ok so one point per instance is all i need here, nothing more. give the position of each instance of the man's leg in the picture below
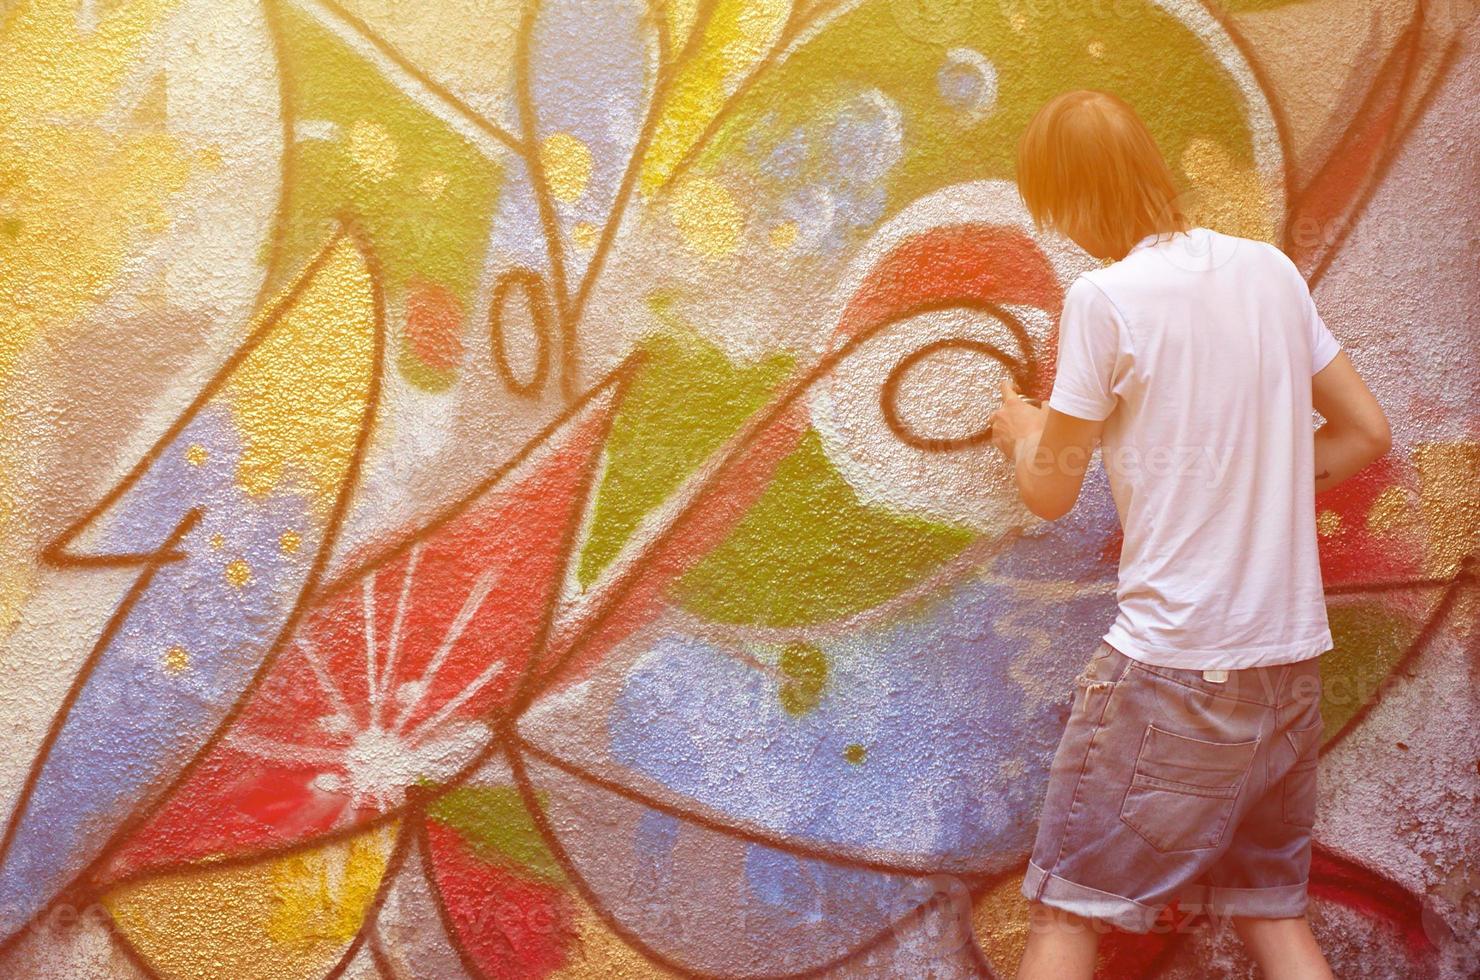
(1061, 945)
(1283, 948)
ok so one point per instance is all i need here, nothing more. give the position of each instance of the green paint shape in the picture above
(805, 668)
(1135, 49)
(686, 400)
(804, 661)
(1255, 6)
(1369, 641)
(799, 697)
(423, 195)
(810, 551)
(498, 828)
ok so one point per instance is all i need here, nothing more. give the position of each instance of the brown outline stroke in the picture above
(669, 66)
(1407, 48)
(1024, 374)
(60, 555)
(527, 792)
(753, 835)
(537, 299)
(1467, 574)
(404, 63)
(540, 187)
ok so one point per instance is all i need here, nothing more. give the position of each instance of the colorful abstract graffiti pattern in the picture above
(496, 488)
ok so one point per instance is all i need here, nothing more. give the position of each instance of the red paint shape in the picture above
(956, 265)
(510, 926)
(1356, 551)
(434, 323)
(1380, 899)
(294, 765)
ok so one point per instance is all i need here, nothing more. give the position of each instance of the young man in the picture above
(1187, 767)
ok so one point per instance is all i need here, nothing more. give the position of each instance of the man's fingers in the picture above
(1009, 390)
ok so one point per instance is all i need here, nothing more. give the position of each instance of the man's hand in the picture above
(1016, 421)
(1049, 451)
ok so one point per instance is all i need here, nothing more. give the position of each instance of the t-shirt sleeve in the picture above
(1089, 354)
(1323, 346)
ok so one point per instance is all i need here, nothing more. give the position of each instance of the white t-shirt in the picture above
(1198, 350)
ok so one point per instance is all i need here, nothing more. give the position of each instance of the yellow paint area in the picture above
(567, 164)
(75, 195)
(283, 918)
(299, 396)
(784, 235)
(1328, 523)
(584, 234)
(738, 35)
(707, 216)
(372, 150)
(433, 184)
(238, 573)
(604, 955)
(1448, 473)
(1000, 922)
(1234, 199)
(469, 47)
(1390, 511)
(679, 15)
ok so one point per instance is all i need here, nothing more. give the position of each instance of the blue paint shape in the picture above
(142, 715)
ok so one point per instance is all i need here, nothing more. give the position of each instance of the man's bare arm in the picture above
(1356, 431)
(1051, 466)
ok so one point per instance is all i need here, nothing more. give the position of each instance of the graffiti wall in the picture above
(495, 488)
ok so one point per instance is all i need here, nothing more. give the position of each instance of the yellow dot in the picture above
(567, 163)
(1018, 22)
(176, 660)
(239, 573)
(196, 454)
(373, 150)
(433, 184)
(290, 542)
(584, 234)
(217, 542)
(784, 236)
(1328, 522)
(1096, 49)
(707, 216)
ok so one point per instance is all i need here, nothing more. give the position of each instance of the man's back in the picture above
(1198, 351)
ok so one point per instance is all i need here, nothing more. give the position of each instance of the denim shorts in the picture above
(1172, 784)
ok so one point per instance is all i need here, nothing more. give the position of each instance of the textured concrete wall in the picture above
(492, 488)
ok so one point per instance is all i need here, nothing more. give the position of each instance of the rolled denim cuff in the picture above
(1275, 902)
(1061, 893)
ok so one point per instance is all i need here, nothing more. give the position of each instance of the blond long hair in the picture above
(1087, 166)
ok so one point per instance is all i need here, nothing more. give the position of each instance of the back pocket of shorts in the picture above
(1183, 789)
